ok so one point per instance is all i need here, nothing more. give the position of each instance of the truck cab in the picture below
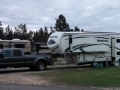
(14, 57)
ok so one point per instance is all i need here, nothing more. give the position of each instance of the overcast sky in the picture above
(90, 15)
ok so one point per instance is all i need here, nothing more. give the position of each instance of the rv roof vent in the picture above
(16, 39)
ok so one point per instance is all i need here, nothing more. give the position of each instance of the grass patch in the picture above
(104, 77)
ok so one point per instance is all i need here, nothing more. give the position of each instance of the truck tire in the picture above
(41, 66)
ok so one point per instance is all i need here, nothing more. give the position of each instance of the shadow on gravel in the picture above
(61, 67)
(6, 71)
(49, 68)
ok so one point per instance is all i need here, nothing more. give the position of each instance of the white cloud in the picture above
(93, 15)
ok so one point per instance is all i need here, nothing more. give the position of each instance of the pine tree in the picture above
(41, 35)
(46, 34)
(35, 37)
(23, 31)
(77, 29)
(17, 33)
(61, 24)
(1, 31)
(8, 33)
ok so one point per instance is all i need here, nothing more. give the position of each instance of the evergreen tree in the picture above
(36, 37)
(82, 30)
(17, 33)
(1, 31)
(46, 30)
(8, 33)
(61, 24)
(51, 30)
(41, 35)
(46, 34)
(77, 29)
(21, 32)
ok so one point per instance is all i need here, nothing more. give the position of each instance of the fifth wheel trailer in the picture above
(86, 47)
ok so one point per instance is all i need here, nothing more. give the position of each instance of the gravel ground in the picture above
(22, 76)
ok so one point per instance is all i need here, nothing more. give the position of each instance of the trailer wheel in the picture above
(41, 66)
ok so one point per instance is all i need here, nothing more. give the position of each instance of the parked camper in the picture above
(16, 43)
(86, 47)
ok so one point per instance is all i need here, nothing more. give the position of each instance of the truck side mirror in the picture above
(1, 55)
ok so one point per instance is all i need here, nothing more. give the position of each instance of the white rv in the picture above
(86, 47)
(16, 43)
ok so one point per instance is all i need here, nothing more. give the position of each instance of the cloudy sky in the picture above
(90, 15)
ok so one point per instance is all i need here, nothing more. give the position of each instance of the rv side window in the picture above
(17, 52)
(118, 40)
(19, 45)
(118, 53)
(1, 46)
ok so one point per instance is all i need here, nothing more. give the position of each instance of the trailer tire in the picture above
(41, 66)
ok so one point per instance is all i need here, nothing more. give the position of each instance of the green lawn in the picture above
(98, 77)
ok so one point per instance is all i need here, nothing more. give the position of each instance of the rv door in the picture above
(117, 49)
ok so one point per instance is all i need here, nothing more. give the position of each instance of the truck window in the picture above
(17, 53)
(7, 53)
(19, 45)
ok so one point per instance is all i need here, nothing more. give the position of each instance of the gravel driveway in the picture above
(22, 76)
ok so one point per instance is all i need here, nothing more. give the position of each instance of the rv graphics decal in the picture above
(89, 37)
(82, 46)
(53, 36)
(55, 48)
(98, 40)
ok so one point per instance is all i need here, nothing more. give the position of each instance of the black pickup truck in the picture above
(14, 57)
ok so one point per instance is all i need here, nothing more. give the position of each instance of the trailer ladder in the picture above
(71, 58)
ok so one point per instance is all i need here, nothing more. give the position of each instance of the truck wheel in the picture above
(41, 66)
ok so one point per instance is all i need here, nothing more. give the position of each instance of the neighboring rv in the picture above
(16, 43)
(86, 47)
